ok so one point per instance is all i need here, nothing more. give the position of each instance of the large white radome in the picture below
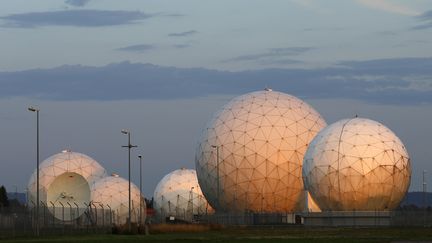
(179, 194)
(113, 192)
(357, 164)
(65, 178)
(262, 137)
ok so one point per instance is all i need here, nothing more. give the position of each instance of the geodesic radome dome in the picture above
(112, 192)
(357, 164)
(65, 178)
(261, 138)
(179, 194)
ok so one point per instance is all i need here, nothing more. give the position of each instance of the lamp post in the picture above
(129, 146)
(32, 109)
(140, 209)
(217, 173)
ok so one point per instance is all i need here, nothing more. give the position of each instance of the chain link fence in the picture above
(97, 218)
(400, 217)
(71, 219)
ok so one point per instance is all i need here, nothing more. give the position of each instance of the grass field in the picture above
(267, 234)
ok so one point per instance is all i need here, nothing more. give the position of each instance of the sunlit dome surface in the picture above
(179, 194)
(262, 137)
(113, 192)
(357, 164)
(65, 178)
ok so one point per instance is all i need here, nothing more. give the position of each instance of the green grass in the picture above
(254, 234)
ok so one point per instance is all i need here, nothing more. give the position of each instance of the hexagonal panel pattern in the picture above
(179, 194)
(357, 164)
(261, 138)
(113, 191)
(65, 178)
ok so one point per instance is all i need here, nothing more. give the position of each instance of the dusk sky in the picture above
(161, 69)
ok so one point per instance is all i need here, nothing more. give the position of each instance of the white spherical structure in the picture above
(112, 192)
(357, 164)
(261, 138)
(65, 178)
(179, 194)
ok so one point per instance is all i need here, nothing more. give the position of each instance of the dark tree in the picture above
(149, 202)
(4, 201)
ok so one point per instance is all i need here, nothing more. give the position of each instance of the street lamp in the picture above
(32, 109)
(129, 146)
(140, 209)
(217, 173)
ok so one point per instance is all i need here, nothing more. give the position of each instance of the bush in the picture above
(181, 228)
(124, 229)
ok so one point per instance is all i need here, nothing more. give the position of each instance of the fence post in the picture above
(70, 216)
(110, 211)
(103, 214)
(32, 214)
(63, 221)
(96, 215)
(88, 214)
(133, 212)
(44, 212)
(53, 213)
(118, 216)
(77, 214)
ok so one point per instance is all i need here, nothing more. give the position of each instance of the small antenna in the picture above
(267, 88)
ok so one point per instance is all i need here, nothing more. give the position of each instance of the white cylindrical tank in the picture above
(357, 164)
(64, 182)
(179, 194)
(256, 145)
(112, 192)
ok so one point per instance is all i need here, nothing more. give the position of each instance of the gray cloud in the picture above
(426, 19)
(181, 46)
(279, 62)
(80, 18)
(387, 81)
(387, 33)
(77, 3)
(183, 34)
(271, 55)
(174, 15)
(323, 29)
(138, 48)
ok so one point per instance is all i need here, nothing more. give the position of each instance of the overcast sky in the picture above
(162, 68)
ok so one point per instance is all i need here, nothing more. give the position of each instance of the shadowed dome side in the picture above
(65, 178)
(261, 138)
(113, 192)
(357, 164)
(179, 194)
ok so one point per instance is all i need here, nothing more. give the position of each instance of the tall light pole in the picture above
(217, 174)
(129, 146)
(32, 109)
(140, 209)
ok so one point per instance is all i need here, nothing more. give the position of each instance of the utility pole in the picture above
(129, 146)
